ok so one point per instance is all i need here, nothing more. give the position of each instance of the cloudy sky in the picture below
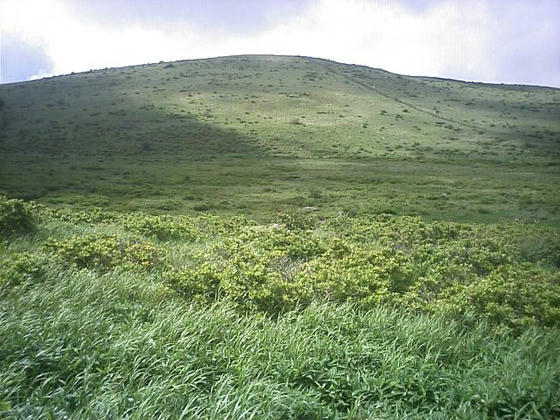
(509, 41)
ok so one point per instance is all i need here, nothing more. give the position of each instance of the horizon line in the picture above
(48, 77)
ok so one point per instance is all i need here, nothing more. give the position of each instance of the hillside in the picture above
(262, 134)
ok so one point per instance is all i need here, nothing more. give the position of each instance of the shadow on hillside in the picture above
(109, 153)
(185, 135)
(127, 130)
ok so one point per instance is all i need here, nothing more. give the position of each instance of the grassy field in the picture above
(278, 237)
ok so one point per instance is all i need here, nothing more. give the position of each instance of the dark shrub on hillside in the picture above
(2, 103)
(15, 217)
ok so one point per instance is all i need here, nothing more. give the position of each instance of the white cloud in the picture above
(386, 35)
(451, 39)
(77, 45)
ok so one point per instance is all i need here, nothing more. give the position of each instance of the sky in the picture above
(500, 41)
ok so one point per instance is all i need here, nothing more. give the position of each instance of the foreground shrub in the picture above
(104, 252)
(517, 296)
(19, 269)
(401, 261)
(161, 227)
(299, 221)
(250, 287)
(91, 216)
(16, 217)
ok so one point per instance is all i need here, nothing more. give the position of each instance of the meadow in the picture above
(278, 237)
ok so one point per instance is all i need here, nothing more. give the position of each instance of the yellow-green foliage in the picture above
(162, 227)
(15, 217)
(487, 270)
(378, 260)
(20, 268)
(519, 295)
(104, 252)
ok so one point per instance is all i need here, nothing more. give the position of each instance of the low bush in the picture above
(515, 295)
(298, 221)
(491, 271)
(105, 252)
(19, 269)
(162, 227)
(400, 261)
(16, 217)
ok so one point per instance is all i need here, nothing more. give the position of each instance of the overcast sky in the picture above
(509, 41)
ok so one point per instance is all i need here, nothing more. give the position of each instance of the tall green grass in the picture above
(87, 345)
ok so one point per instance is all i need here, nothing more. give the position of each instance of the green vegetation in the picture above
(15, 217)
(278, 237)
(218, 135)
(110, 314)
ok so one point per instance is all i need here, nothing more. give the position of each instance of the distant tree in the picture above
(2, 103)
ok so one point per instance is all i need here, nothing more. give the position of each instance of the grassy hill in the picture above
(262, 134)
(278, 237)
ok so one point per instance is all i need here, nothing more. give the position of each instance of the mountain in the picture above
(132, 292)
(264, 134)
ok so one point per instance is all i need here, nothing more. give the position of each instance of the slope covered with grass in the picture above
(261, 134)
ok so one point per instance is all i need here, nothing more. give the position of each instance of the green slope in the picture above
(261, 134)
